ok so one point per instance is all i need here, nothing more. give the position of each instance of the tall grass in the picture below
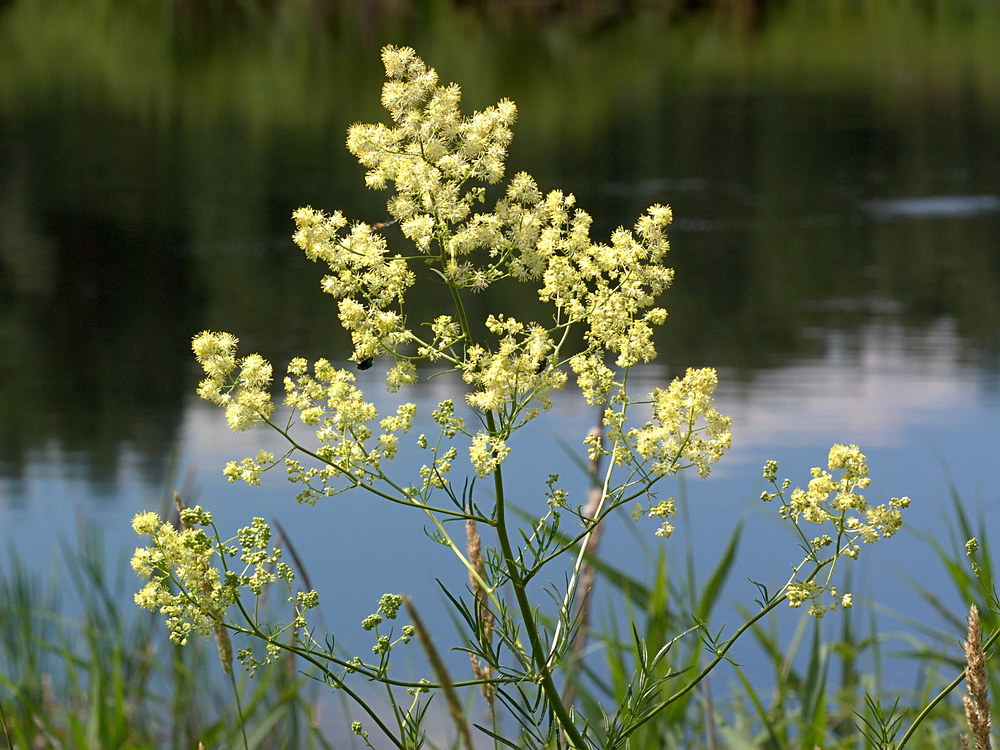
(80, 667)
(824, 685)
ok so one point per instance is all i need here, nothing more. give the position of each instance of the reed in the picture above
(976, 701)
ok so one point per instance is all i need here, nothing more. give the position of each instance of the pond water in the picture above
(836, 243)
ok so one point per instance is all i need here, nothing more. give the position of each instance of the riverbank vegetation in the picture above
(80, 667)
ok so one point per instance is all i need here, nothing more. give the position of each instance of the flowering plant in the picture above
(438, 164)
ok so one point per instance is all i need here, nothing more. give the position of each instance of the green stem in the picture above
(239, 710)
(720, 653)
(463, 318)
(374, 490)
(582, 555)
(309, 657)
(538, 655)
(572, 541)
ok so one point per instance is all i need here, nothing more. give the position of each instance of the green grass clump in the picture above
(822, 686)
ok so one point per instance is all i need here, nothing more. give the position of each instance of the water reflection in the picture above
(935, 206)
(836, 193)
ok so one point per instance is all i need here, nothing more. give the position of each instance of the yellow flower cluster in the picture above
(829, 499)
(612, 287)
(328, 400)
(436, 160)
(487, 453)
(809, 591)
(685, 431)
(362, 277)
(249, 469)
(245, 395)
(665, 509)
(833, 500)
(516, 373)
(185, 558)
(429, 156)
(183, 583)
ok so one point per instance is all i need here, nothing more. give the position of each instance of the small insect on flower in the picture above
(366, 363)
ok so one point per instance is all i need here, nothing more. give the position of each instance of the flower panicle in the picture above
(436, 161)
(833, 497)
(686, 430)
(241, 385)
(188, 580)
